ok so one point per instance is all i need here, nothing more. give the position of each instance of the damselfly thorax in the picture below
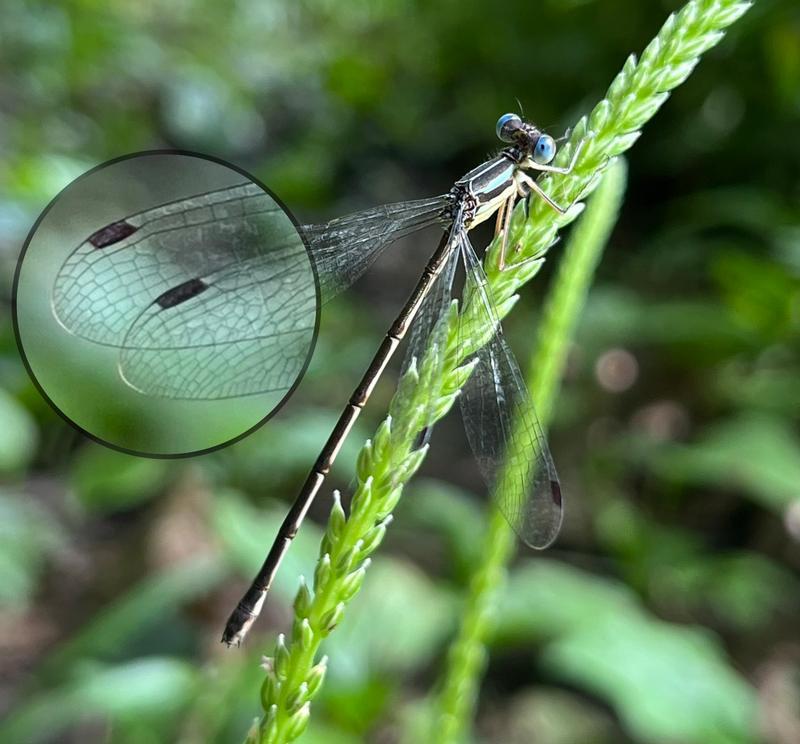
(480, 193)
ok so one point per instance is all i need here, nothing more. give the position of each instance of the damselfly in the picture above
(494, 401)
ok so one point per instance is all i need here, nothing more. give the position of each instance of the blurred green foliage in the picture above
(668, 611)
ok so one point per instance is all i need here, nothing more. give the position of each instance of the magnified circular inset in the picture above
(165, 303)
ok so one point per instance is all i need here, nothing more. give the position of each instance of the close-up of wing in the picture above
(108, 280)
(239, 331)
(211, 296)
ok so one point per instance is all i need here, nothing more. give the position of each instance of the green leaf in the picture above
(768, 474)
(667, 682)
(545, 599)
(597, 635)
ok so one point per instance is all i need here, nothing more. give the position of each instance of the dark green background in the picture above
(667, 611)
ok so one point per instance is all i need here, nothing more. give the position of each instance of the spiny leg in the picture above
(533, 186)
(506, 210)
(526, 181)
(498, 223)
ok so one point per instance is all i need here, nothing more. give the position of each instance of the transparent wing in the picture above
(344, 248)
(117, 271)
(214, 296)
(500, 422)
(428, 338)
(244, 330)
(107, 280)
(208, 297)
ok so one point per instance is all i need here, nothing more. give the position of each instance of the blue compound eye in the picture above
(507, 124)
(545, 150)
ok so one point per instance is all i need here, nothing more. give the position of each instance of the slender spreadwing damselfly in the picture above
(494, 401)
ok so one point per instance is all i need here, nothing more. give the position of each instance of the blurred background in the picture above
(667, 611)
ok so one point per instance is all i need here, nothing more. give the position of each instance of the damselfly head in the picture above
(539, 146)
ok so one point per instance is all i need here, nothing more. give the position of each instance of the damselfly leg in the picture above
(525, 185)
